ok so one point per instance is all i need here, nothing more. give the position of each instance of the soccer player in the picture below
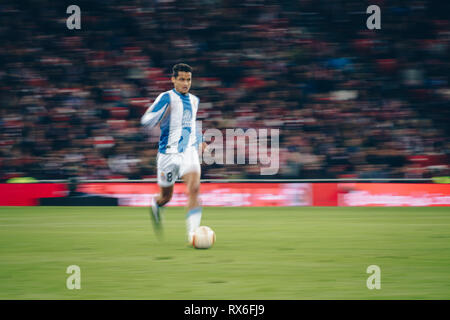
(177, 157)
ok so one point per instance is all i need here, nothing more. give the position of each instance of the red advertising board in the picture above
(393, 194)
(324, 194)
(245, 194)
(28, 194)
(212, 194)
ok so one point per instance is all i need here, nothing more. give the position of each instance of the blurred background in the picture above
(349, 102)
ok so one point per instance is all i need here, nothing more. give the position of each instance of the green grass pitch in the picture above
(260, 253)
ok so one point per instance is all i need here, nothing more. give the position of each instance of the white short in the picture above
(172, 166)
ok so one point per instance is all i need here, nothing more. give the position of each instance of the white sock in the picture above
(193, 219)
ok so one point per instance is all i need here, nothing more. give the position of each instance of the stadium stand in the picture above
(349, 102)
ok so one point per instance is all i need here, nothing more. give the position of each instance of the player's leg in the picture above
(192, 181)
(162, 199)
(194, 214)
(165, 195)
(168, 166)
(190, 173)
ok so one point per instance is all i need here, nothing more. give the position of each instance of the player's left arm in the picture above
(200, 141)
(203, 146)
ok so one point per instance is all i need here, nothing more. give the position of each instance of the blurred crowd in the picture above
(349, 102)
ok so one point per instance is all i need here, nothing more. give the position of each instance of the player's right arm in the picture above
(156, 111)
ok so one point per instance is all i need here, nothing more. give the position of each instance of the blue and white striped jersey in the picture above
(177, 114)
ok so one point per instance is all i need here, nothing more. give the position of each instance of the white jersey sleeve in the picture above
(156, 111)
